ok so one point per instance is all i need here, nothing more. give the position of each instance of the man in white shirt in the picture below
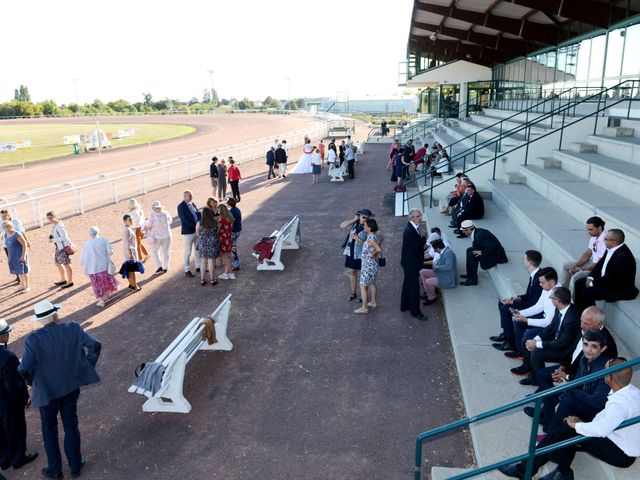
(531, 321)
(619, 448)
(575, 270)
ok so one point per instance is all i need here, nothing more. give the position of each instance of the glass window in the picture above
(579, 60)
(615, 46)
(631, 57)
(596, 60)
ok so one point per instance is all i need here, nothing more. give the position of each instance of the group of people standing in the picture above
(220, 174)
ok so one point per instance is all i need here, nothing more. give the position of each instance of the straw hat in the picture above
(4, 327)
(44, 311)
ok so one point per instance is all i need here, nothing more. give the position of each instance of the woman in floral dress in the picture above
(369, 272)
(208, 246)
(225, 238)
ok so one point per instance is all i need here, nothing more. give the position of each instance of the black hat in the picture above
(366, 212)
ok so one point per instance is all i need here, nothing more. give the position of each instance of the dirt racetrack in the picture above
(213, 131)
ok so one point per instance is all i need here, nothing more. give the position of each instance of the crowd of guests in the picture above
(209, 234)
(557, 332)
(405, 161)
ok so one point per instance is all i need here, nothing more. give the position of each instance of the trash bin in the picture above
(76, 149)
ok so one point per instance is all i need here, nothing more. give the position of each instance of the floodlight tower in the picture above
(211, 72)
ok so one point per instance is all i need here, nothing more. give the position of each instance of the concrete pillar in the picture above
(462, 113)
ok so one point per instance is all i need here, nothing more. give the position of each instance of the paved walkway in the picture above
(310, 391)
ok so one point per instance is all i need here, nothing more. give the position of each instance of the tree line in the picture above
(22, 106)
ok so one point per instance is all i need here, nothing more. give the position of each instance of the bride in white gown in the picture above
(304, 164)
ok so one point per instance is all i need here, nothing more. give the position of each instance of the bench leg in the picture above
(271, 265)
(171, 399)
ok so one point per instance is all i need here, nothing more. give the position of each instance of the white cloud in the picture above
(119, 49)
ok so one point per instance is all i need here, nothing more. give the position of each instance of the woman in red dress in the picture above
(226, 241)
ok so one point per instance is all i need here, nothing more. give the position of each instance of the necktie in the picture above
(556, 318)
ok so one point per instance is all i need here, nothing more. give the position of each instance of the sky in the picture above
(83, 50)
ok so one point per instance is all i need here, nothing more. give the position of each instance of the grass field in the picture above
(47, 143)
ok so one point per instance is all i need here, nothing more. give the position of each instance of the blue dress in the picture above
(16, 267)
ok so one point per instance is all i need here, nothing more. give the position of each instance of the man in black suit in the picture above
(486, 250)
(189, 217)
(505, 340)
(473, 209)
(271, 160)
(613, 278)
(411, 258)
(281, 161)
(555, 342)
(14, 398)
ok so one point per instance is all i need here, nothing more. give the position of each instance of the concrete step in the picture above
(609, 173)
(583, 199)
(583, 147)
(560, 241)
(618, 132)
(488, 121)
(622, 148)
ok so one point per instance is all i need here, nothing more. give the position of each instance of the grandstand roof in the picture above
(495, 31)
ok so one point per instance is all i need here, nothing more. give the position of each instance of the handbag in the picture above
(70, 249)
(111, 269)
(382, 261)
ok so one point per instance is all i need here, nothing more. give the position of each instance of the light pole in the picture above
(75, 84)
(211, 97)
(288, 91)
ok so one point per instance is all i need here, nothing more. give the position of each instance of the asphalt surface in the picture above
(310, 390)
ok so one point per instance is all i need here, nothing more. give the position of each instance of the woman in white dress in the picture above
(304, 164)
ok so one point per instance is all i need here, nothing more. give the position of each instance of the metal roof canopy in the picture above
(495, 31)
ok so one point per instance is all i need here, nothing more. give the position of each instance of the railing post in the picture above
(564, 113)
(36, 213)
(143, 183)
(417, 473)
(532, 439)
(526, 154)
(79, 203)
(495, 161)
(190, 170)
(431, 192)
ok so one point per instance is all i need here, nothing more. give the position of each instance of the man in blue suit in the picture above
(189, 218)
(505, 340)
(58, 359)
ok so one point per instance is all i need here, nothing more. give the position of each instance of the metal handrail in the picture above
(532, 451)
(432, 122)
(562, 110)
(484, 143)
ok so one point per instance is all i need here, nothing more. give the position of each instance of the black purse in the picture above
(382, 261)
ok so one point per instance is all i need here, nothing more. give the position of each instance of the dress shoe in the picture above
(5, 466)
(503, 347)
(498, 338)
(461, 235)
(189, 274)
(530, 411)
(428, 302)
(522, 370)
(67, 285)
(557, 475)
(528, 381)
(197, 270)
(467, 283)
(464, 275)
(78, 471)
(28, 458)
(420, 317)
(48, 474)
(513, 355)
(457, 231)
(514, 470)
(159, 270)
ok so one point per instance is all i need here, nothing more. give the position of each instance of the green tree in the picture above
(246, 104)
(22, 94)
(121, 106)
(291, 105)
(271, 102)
(301, 103)
(147, 99)
(49, 107)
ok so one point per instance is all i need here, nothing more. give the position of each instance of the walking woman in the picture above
(234, 176)
(137, 221)
(17, 249)
(96, 259)
(60, 238)
(158, 226)
(225, 239)
(353, 249)
(130, 253)
(371, 249)
(208, 246)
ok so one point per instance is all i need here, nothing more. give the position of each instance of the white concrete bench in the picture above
(287, 238)
(169, 397)
(338, 173)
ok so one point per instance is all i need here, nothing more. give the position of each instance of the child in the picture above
(316, 163)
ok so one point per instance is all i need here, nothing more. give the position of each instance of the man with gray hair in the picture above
(59, 358)
(413, 241)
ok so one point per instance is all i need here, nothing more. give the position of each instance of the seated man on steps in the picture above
(531, 321)
(555, 342)
(585, 401)
(505, 339)
(472, 210)
(591, 319)
(613, 278)
(581, 268)
(486, 251)
(619, 448)
(443, 274)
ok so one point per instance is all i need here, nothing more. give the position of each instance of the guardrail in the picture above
(78, 196)
(155, 113)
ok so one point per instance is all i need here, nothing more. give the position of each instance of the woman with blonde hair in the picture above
(208, 246)
(137, 221)
(159, 227)
(63, 246)
(96, 260)
(17, 249)
(225, 239)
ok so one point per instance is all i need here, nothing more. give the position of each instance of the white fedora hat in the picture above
(44, 311)
(4, 327)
